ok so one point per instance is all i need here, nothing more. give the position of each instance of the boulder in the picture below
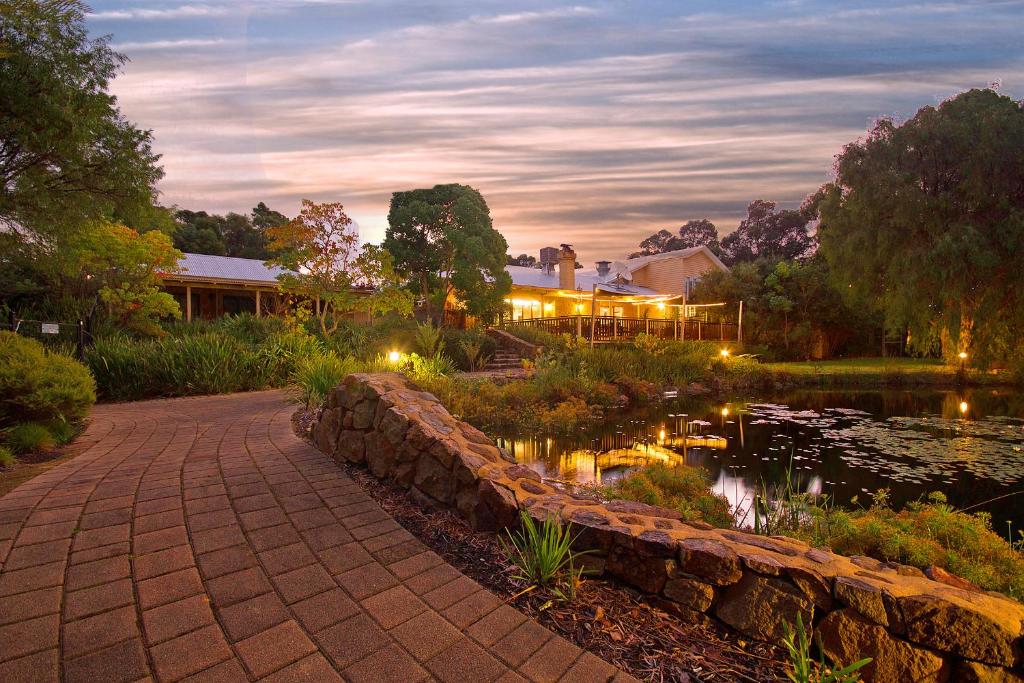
(325, 432)
(982, 635)
(433, 479)
(976, 672)
(380, 454)
(847, 637)
(350, 446)
(815, 586)
(496, 507)
(871, 601)
(712, 561)
(648, 573)
(939, 574)
(758, 606)
(690, 593)
(362, 414)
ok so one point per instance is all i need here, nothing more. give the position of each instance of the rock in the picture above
(976, 672)
(871, 601)
(521, 472)
(593, 529)
(350, 446)
(758, 606)
(819, 556)
(776, 546)
(969, 633)
(847, 637)
(394, 424)
(380, 454)
(698, 524)
(534, 487)
(712, 561)
(642, 509)
(761, 563)
(690, 593)
(645, 572)
(815, 586)
(325, 432)
(942, 576)
(496, 507)
(433, 479)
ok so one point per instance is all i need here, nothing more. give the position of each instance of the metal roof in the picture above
(207, 267)
(640, 261)
(524, 276)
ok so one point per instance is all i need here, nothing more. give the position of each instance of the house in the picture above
(643, 287)
(208, 286)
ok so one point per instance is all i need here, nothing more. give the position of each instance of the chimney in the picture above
(548, 259)
(566, 267)
(603, 268)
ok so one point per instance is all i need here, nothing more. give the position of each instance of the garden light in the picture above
(963, 355)
(394, 356)
(964, 407)
(661, 306)
(724, 353)
(725, 411)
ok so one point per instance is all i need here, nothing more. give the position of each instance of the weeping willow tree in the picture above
(924, 223)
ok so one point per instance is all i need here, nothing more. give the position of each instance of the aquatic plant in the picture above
(682, 488)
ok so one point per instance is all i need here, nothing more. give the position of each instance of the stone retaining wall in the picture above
(917, 629)
(509, 341)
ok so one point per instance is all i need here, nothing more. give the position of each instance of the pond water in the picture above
(969, 445)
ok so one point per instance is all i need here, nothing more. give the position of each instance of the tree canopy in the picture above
(443, 240)
(326, 264)
(234, 234)
(698, 233)
(925, 223)
(67, 154)
(769, 233)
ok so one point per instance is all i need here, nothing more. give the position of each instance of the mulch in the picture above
(613, 621)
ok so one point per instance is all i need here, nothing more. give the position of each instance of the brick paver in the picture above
(199, 539)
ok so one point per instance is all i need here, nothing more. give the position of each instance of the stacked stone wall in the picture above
(915, 628)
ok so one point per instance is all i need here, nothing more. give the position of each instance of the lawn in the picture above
(883, 371)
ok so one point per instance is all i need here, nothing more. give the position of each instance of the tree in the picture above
(264, 218)
(67, 154)
(697, 233)
(924, 222)
(123, 268)
(325, 264)
(443, 240)
(769, 234)
(241, 238)
(199, 233)
(524, 260)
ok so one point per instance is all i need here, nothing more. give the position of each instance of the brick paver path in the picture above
(200, 539)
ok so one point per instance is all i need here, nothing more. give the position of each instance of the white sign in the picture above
(51, 328)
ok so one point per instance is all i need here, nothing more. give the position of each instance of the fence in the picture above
(613, 328)
(76, 335)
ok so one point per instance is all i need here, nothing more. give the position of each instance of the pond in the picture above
(968, 445)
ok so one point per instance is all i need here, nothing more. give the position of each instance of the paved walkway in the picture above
(200, 539)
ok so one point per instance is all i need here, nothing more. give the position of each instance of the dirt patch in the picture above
(614, 622)
(32, 465)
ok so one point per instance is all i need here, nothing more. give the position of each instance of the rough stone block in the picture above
(759, 606)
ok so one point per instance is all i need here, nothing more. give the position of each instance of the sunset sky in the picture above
(592, 123)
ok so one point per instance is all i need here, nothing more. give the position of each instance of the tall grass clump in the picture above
(804, 669)
(317, 374)
(29, 437)
(7, 458)
(683, 488)
(543, 556)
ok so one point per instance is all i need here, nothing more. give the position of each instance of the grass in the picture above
(29, 437)
(880, 372)
(683, 488)
(804, 669)
(542, 555)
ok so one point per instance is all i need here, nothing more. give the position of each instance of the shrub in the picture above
(318, 374)
(683, 488)
(39, 385)
(6, 457)
(248, 328)
(29, 437)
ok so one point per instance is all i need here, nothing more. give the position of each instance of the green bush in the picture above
(684, 489)
(29, 437)
(39, 385)
(318, 374)
(6, 457)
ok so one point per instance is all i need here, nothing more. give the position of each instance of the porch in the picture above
(603, 329)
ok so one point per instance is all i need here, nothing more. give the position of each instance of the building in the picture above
(208, 286)
(643, 287)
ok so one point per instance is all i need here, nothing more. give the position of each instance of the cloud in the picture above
(151, 14)
(595, 125)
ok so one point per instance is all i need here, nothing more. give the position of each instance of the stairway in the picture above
(505, 360)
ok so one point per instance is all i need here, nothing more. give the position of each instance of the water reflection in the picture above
(840, 444)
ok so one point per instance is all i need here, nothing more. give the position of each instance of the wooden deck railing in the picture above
(612, 328)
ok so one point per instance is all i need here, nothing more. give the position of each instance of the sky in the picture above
(591, 123)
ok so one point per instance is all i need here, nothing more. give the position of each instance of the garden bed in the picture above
(612, 621)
